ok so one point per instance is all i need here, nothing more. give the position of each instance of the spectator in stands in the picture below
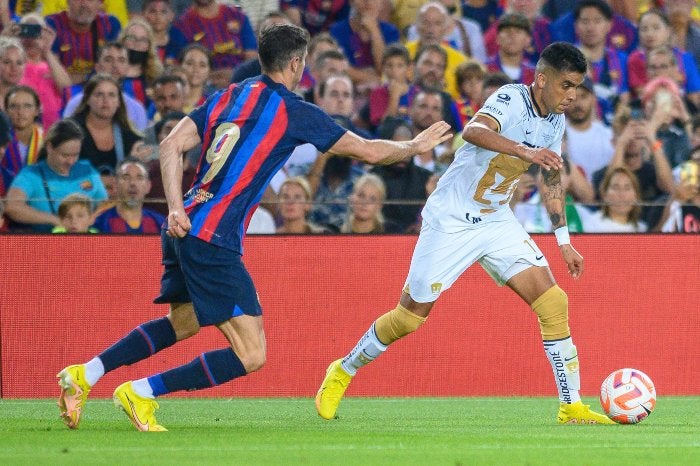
(425, 110)
(109, 137)
(223, 29)
(315, 16)
(12, 63)
(431, 25)
(197, 65)
(168, 39)
(695, 131)
(685, 32)
(470, 82)
(395, 95)
(462, 34)
(405, 182)
(75, 214)
(318, 44)
(513, 39)
(295, 204)
(622, 35)
(37, 190)
(168, 95)
(682, 212)
(116, 8)
(362, 37)
(637, 149)
(429, 73)
(607, 66)
(484, 12)
(112, 59)
(669, 117)
(620, 212)
(109, 180)
(43, 70)
(331, 177)
(366, 202)
(5, 175)
(589, 141)
(23, 107)
(328, 63)
(129, 215)
(539, 26)
(662, 62)
(655, 34)
(492, 82)
(80, 31)
(144, 64)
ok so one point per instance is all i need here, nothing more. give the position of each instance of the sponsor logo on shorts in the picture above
(435, 288)
(472, 220)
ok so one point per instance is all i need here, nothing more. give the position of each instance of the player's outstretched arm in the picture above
(483, 131)
(386, 152)
(181, 139)
(554, 199)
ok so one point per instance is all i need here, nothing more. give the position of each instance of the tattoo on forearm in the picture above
(555, 219)
(553, 197)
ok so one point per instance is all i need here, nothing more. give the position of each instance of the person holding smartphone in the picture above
(43, 70)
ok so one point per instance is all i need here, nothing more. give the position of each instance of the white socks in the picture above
(367, 350)
(94, 370)
(143, 388)
(563, 357)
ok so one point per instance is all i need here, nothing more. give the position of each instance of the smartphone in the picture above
(636, 113)
(664, 100)
(29, 31)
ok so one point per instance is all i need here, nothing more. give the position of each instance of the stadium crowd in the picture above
(88, 89)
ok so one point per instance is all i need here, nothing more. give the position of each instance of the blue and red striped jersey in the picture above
(248, 132)
(110, 221)
(76, 50)
(227, 35)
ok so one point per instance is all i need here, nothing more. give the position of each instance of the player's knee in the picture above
(253, 360)
(397, 323)
(552, 309)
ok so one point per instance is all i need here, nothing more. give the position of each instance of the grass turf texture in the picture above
(421, 431)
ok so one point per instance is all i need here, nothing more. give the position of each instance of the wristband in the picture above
(562, 234)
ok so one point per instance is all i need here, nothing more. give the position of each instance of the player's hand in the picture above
(178, 223)
(431, 137)
(574, 260)
(541, 156)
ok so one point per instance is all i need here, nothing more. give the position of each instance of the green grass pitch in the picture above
(369, 431)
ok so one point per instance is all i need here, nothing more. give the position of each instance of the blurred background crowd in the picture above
(88, 89)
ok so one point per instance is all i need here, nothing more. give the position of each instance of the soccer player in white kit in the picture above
(468, 219)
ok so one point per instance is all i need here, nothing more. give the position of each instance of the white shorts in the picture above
(502, 247)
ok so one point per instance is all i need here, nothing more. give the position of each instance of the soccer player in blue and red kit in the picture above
(247, 132)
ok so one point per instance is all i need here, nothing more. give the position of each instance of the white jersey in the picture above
(479, 183)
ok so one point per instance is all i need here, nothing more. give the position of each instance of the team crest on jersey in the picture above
(86, 185)
(233, 26)
(197, 37)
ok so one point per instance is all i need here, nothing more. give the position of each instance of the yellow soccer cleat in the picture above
(140, 410)
(579, 413)
(74, 393)
(332, 390)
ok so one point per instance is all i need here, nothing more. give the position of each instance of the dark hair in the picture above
(174, 115)
(636, 211)
(469, 69)
(83, 109)
(196, 46)
(657, 12)
(396, 49)
(279, 44)
(62, 131)
(562, 57)
(328, 55)
(21, 88)
(148, 2)
(600, 5)
(497, 79)
(109, 45)
(432, 48)
(167, 79)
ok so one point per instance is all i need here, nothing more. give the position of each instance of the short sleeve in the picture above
(26, 181)
(504, 106)
(311, 124)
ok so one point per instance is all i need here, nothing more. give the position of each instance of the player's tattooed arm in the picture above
(553, 197)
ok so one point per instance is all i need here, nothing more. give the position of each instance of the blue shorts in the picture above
(212, 278)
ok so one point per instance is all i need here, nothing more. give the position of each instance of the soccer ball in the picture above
(628, 396)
